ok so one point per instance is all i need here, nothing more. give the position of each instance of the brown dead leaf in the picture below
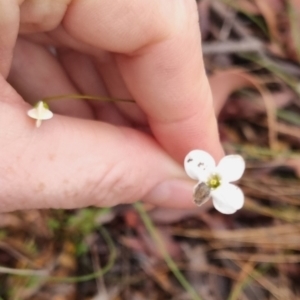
(224, 83)
(247, 107)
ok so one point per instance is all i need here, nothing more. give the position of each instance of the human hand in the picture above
(100, 154)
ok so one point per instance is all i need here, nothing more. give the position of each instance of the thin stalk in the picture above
(78, 96)
(168, 259)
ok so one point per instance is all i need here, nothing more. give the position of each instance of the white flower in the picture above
(215, 180)
(40, 112)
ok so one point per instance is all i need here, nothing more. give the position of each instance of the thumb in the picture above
(72, 163)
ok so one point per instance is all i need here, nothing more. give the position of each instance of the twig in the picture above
(229, 46)
(226, 14)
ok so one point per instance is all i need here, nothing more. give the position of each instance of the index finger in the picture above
(159, 54)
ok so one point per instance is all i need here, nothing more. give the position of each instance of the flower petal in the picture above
(32, 113)
(231, 167)
(224, 209)
(228, 198)
(198, 164)
(46, 114)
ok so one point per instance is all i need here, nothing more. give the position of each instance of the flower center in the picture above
(214, 181)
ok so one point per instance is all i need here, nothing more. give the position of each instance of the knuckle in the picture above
(39, 16)
(126, 26)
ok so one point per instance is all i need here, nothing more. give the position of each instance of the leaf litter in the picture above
(251, 51)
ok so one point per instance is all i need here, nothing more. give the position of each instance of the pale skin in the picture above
(94, 153)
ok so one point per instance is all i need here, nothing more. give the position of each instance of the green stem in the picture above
(168, 259)
(78, 96)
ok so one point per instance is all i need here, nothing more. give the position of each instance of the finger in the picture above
(9, 25)
(116, 87)
(84, 75)
(39, 16)
(71, 163)
(107, 69)
(162, 68)
(36, 74)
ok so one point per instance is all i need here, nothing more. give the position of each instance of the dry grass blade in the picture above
(259, 258)
(274, 237)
